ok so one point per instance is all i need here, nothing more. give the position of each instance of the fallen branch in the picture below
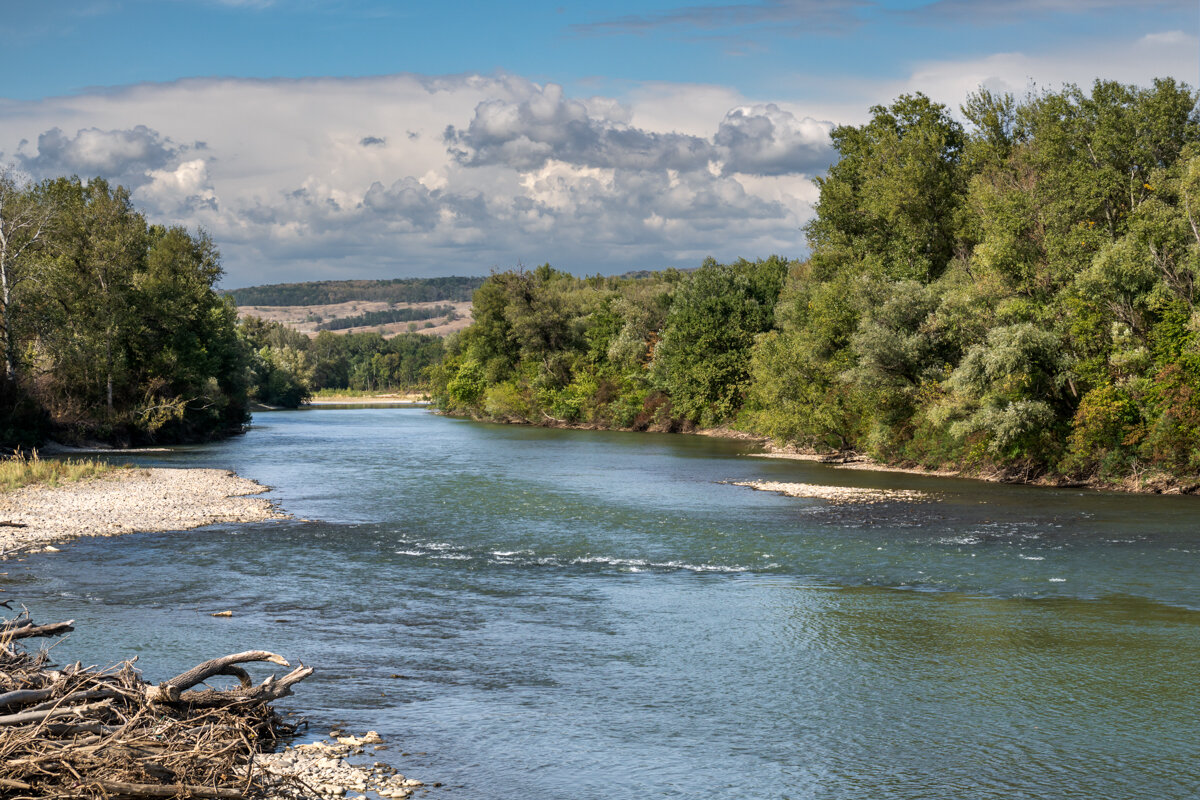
(31, 631)
(216, 666)
(168, 790)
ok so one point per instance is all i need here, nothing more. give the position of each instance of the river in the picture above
(576, 614)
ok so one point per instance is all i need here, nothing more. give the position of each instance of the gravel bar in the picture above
(837, 494)
(127, 501)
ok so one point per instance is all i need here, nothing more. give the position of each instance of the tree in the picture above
(24, 219)
(703, 360)
(889, 205)
(98, 243)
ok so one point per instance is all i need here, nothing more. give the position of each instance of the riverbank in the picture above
(1147, 482)
(1144, 482)
(837, 495)
(128, 501)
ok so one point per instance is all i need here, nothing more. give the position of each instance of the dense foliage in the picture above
(110, 327)
(398, 290)
(669, 350)
(409, 314)
(1015, 295)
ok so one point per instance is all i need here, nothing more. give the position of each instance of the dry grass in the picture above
(21, 470)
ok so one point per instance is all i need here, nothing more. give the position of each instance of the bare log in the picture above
(25, 717)
(267, 691)
(125, 789)
(94, 694)
(30, 631)
(216, 666)
(18, 622)
(22, 697)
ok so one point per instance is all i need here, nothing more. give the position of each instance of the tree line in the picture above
(289, 366)
(1016, 294)
(111, 328)
(386, 317)
(397, 290)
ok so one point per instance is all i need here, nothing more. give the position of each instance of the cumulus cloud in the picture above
(179, 191)
(126, 154)
(766, 140)
(419, 175)
(548, 126)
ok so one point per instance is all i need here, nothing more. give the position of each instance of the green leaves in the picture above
(703, 360)
(891, 200)
(120, 333)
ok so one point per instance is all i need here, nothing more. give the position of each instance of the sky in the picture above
(326, 139)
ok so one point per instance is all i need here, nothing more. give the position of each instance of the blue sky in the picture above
(320, 138)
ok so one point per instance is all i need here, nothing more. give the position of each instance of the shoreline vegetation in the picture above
(359, 397)
(1017, 300)
(112, 329)
(21, 470)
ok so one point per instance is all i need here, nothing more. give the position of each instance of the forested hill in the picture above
(398, 290)
(1016, 295)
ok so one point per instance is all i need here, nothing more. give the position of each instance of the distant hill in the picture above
(408, 314)
(398, 290)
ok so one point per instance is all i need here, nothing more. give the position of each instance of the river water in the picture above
(571, 614)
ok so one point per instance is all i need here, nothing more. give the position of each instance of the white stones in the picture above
(371, 737)
(325, 768)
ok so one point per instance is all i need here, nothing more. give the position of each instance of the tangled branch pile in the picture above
(82, 732)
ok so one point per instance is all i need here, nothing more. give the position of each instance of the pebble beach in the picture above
(127, 501)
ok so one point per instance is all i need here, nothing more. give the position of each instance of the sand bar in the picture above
(127, 501)
(381, 400)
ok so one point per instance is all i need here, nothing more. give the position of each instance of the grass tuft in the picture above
(21, 470)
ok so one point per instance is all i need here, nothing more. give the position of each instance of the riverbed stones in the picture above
(323, 770)
(126, 501)
(840, 495)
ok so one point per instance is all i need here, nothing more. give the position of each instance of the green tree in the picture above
(889, 205)
(703, 360)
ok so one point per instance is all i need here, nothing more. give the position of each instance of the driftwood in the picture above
(82, 732)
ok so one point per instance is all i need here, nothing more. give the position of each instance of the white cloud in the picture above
(1170, 53)
(121, 154)
(418, 175)
(355, 177)
(766, 140)
(178, 192)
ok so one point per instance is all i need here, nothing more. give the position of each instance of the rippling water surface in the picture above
(564, 614)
